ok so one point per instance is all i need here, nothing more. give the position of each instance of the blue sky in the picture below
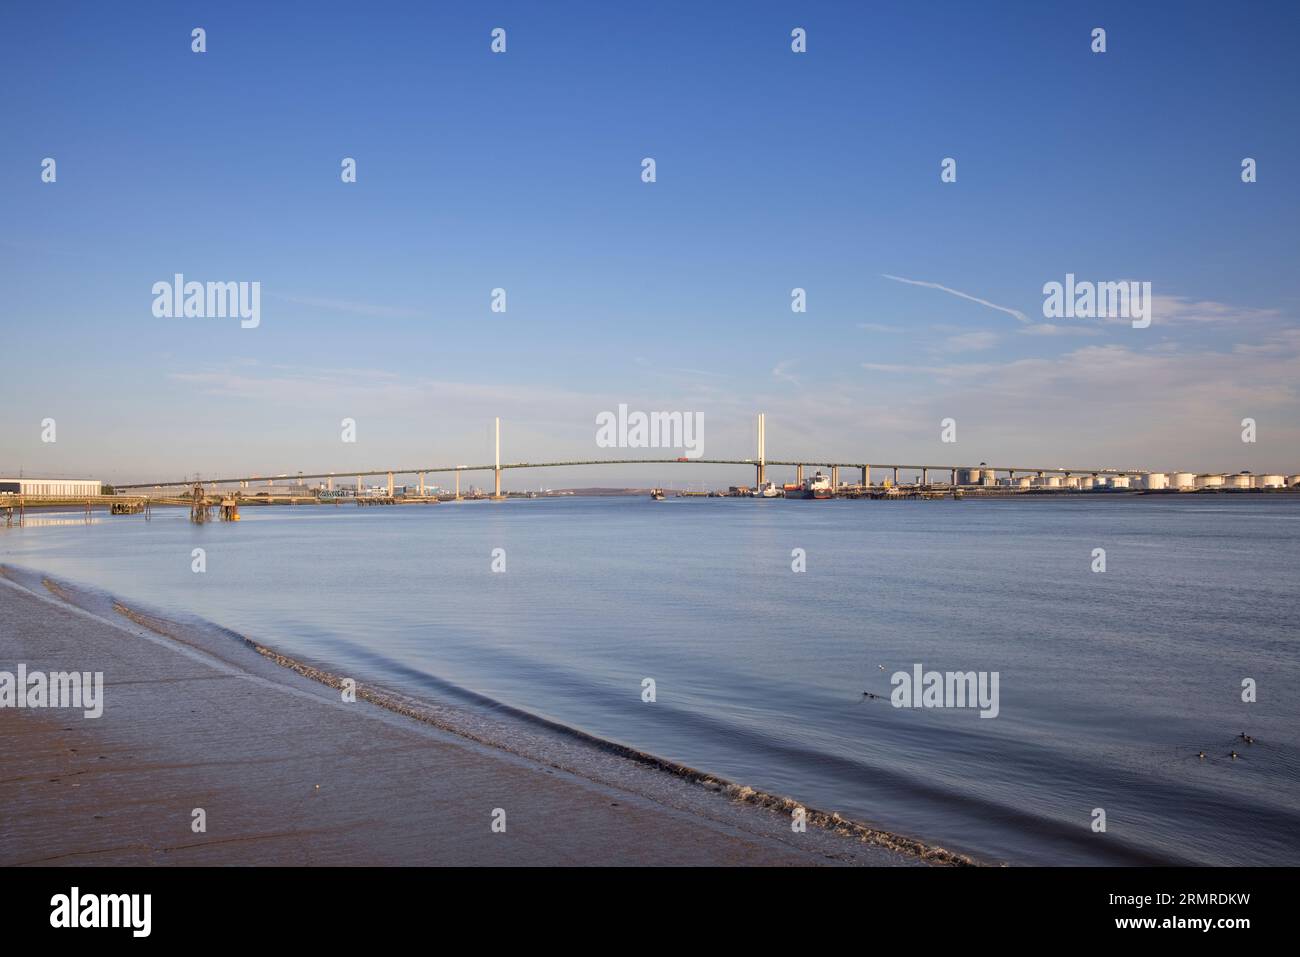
(522, 171)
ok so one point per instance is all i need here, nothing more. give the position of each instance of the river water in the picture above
(1109, 682)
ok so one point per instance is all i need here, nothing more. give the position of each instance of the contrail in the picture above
(957, 292)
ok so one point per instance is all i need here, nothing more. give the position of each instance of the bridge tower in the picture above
(496, 473)
(762, 449)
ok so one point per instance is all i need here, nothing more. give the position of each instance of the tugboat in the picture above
(819, 487)
(657, 494)
(767, 490)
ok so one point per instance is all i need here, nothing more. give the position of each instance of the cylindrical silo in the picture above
(1270, 481)
(1209, 481)
(1183, 480)
(1240, 480)
(1119, 481)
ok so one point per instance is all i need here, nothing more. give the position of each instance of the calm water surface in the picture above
(1109, 683)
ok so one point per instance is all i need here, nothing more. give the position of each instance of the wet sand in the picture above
(289, 774)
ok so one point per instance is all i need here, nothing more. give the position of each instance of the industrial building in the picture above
(51, 488)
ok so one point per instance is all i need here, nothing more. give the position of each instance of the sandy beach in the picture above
(287, 773)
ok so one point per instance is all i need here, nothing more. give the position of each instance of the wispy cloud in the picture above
(1174, 310)
(781, 371)
(356, 308)
(970, 342)
(962, 295)
(1052, 329)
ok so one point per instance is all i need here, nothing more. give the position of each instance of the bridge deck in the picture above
(750, 463)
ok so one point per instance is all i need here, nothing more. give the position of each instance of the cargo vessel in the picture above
(818, 486)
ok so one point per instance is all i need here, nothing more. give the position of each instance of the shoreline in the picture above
(268, 720)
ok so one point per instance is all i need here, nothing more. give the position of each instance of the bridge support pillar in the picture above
(866, 475)
(835, 477)
(359, 486)
(925, 476)
(798, 474)
(953, 480)
(421, 485)
(895, 475)
(329, 484)
(458, 498)
(390, 484)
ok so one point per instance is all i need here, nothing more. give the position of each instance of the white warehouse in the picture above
(51, 488)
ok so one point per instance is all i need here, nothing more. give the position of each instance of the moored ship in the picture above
(818, 486)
